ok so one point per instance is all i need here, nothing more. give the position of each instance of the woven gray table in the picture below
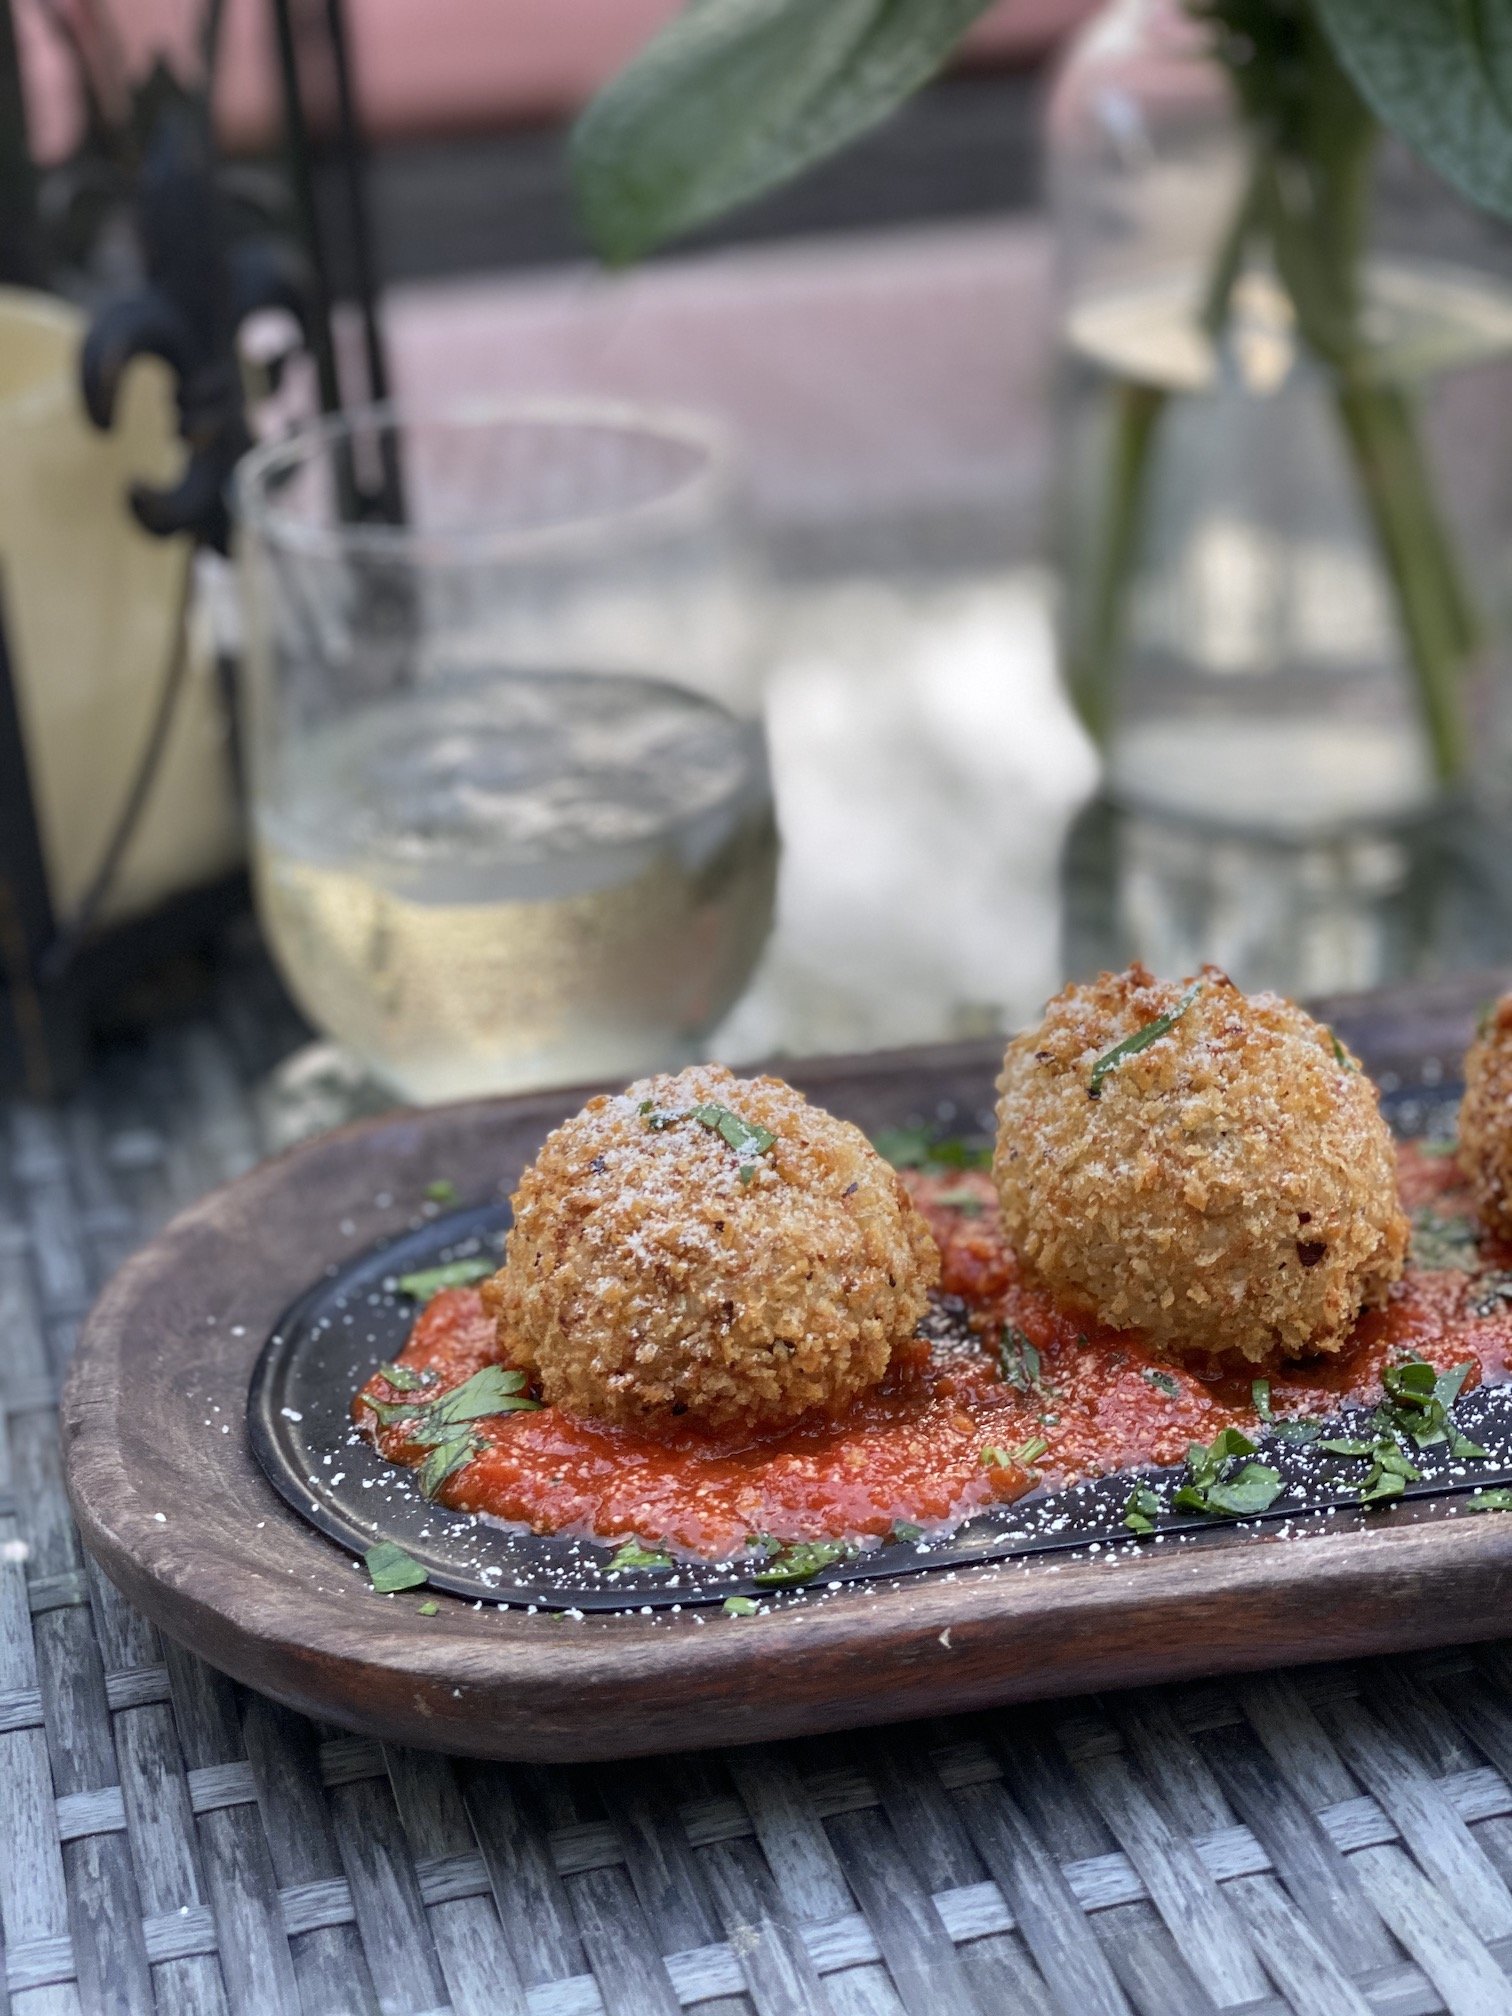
(1323, 1840)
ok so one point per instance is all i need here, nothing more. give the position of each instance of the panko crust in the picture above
(1485, 1119)
(644, 1282)
(1231, 1189)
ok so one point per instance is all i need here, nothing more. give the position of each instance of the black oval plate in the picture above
(330, 1341)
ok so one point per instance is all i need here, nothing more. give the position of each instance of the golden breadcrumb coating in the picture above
(1230, 1188)
(1485, 1121)
(646, 1280)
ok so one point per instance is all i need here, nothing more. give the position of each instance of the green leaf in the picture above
(631, 1554)
(740, 1606)
(1260, 1398)
(734, 97)
(1140, 1040)
(428, 1610)
(1019, 1362)
(905, 1533)
(1255, 1489)
(800, 1561)
(1499, 1500)
(429, 1281)
(404, 1379)
(1440, 73)
(491, 1390)
(390, 1568)
(1343, 1445)
(444, 1461)
(442, 1191)
(746, 1137)
(1163, 1382)
(1010, 1459)
(1143, 1509)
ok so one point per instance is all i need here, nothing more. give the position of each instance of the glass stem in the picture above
(1092, 672)
(1417, 554)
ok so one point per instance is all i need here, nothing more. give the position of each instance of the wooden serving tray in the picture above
(183, 1520)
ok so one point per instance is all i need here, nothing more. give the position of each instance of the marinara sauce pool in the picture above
(1036, 1394)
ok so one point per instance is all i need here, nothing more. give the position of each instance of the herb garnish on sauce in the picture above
(800, 1561)
(1214, 1487)
(631, 1554)
(1140, 1040)
(429, 1281)
(440, 1425)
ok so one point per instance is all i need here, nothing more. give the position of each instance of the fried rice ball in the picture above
(656, 1272)
(1228, 1187)
(1485, 1120)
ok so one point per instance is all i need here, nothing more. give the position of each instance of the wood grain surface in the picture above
(170, 1501)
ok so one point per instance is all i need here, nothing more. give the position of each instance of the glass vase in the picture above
(1277, 492)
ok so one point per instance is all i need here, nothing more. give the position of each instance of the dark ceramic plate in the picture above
(332, 1339)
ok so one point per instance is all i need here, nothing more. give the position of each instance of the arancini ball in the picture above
(1485, 1120)
(1210, 1169)
(710, 1249)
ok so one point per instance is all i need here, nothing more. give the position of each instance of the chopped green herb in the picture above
(390, 1568)
(632, 1555)
(1418, 1403)
(1343, 1445)
(1164, 1382)
(800, 1561)
(918, 1148)
(1440, 1242)
(1214, 1488)
(405, 1379)
(905, 1533)
(1341, 1055)
(740, 1606)
(1283, 1427)
(1440, 1149)
(445, 1460)
(1019, 1361)
(1009, 1459)
(1143, 1509)
(1499, 1500)
(428, 1610)
(1260, 1398)
(491, 1390)
(746, 1137)
(442, 1191)
(429, 1281)
(1140, 1040)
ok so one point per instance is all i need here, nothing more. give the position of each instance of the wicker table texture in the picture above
(1324, 1840)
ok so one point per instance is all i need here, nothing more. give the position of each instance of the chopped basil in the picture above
(1019, 1361)
(1341, 1055)
(442, 1191)
(1015, 1459)
(1143, 1509)
(429, 1281)
(428, 1610)
(631, 1554)
(740, 1606)
(1163, 1382)
(904, 1532)
(918, 1148)
(800, 1561)
(1140, 1040)
(1418, 1403)
(748, 1138)
(390, 1568)
(1215, 1488)
(1343, 1445)
(1283, 1427)
(1499, 1500)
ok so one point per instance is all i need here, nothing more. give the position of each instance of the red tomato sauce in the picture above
(913, 1450)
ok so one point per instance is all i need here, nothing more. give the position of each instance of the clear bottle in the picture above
(1271, 615)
